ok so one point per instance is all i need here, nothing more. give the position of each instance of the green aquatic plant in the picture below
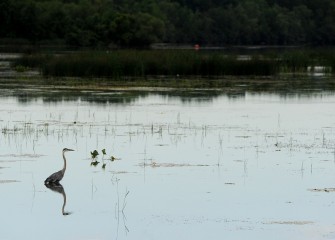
(103, 162)
(95, 154)
(95, 163)
(103, 151)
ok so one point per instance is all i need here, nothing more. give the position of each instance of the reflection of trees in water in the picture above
(205, 91)
(117, 98)
(59, 189)
(112, 97)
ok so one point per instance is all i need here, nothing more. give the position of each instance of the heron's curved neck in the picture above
(64, 168)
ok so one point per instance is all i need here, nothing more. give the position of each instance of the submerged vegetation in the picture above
(143, 63)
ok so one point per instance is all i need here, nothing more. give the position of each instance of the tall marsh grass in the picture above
(303, 60)
(32, 60)
(143, 63)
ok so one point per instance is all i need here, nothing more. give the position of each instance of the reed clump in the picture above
(31, 60)
(329, 60)
(305, 60)
(120, 64)
(143, 63)
(295, 61)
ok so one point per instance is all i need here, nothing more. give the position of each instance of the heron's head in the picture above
(67, 150)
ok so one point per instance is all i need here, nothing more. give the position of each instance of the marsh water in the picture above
(187, 164)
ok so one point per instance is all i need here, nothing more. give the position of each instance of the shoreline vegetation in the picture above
(125, 64)
(140, 23)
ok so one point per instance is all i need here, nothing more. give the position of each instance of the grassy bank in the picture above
(143, 63)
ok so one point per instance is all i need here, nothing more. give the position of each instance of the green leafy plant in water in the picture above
(103, 162)
(94, 163)
(95, 154)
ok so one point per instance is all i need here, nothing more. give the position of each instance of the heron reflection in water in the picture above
(52, 182)
(57, 187)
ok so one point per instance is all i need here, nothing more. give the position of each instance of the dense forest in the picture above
(138, 23)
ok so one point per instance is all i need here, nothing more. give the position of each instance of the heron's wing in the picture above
(55, 177)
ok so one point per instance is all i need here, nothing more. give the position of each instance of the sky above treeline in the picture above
(136, 23)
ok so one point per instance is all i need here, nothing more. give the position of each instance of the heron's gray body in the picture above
(58, 176)
(55, 177)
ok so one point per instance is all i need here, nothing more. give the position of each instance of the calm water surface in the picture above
(199, 166)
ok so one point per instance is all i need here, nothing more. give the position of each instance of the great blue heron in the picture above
(57, 176)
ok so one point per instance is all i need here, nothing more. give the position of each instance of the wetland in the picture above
(250, 157)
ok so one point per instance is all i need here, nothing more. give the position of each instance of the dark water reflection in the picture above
(59, 189)
(286, 87)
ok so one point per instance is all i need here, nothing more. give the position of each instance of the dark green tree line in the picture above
(135, 23)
